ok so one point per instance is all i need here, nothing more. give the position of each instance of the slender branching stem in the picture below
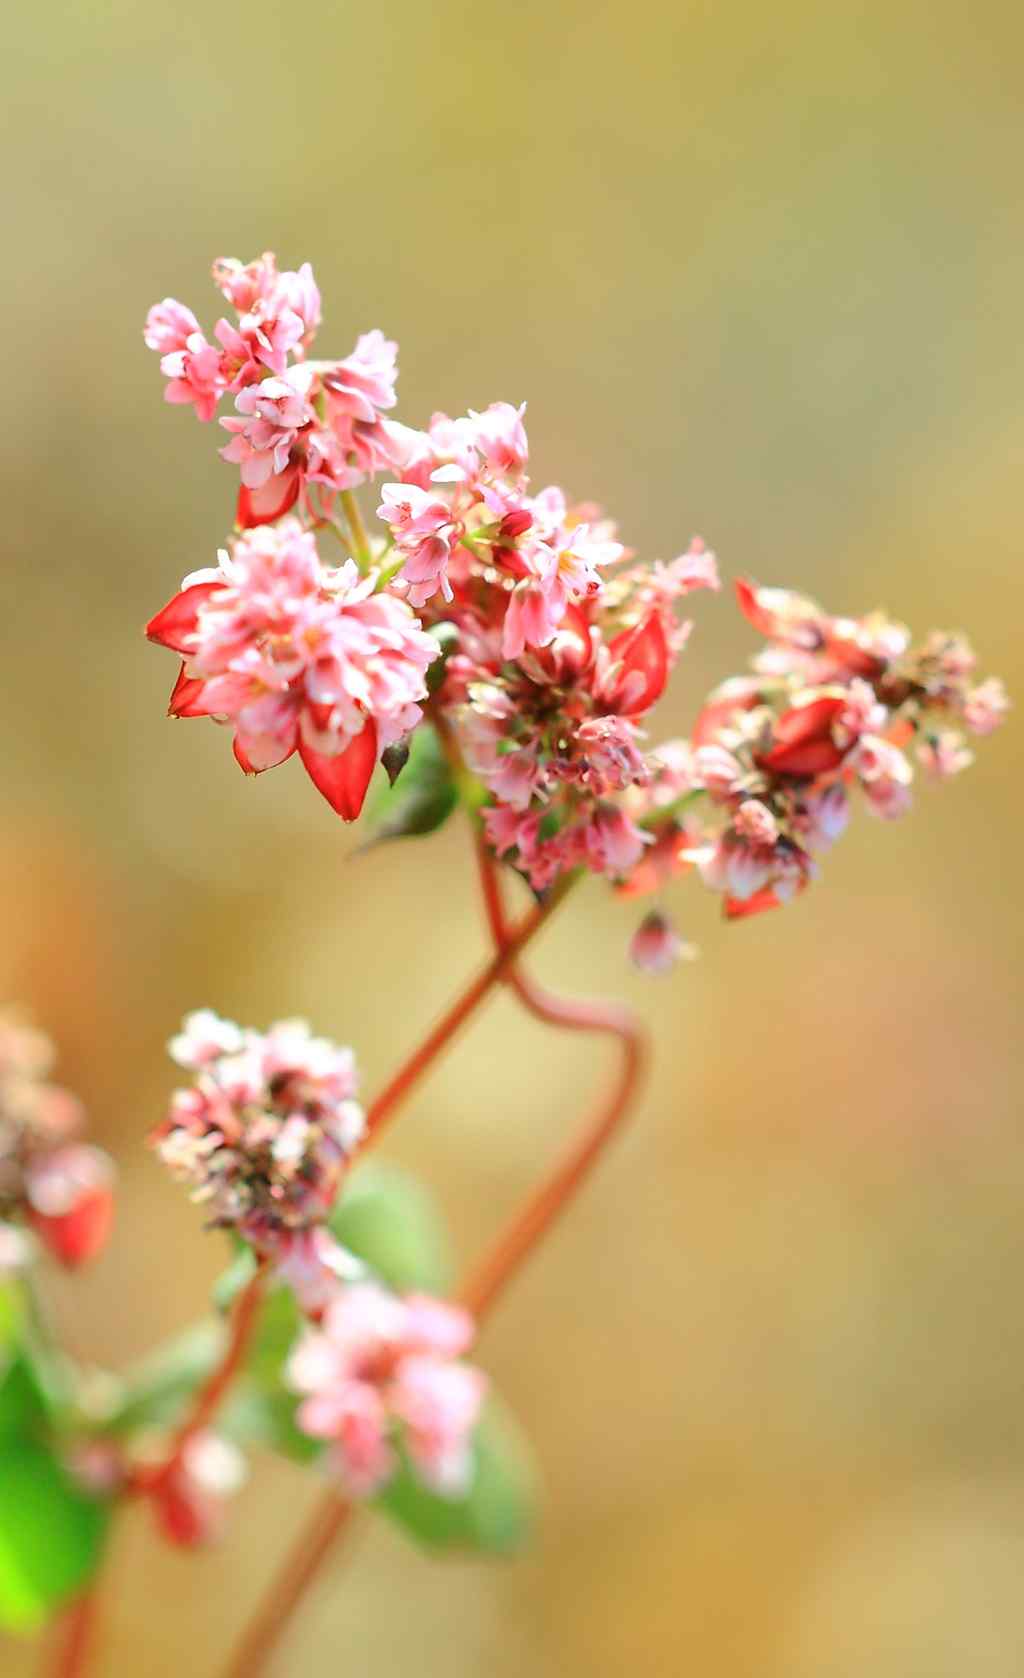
(488, 1278)
(214, 1390)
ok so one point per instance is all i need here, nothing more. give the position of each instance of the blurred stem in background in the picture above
(482, 1287)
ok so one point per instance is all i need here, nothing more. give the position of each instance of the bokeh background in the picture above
(758, 271)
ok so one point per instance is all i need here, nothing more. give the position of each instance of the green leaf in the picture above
(51, 1535)
(390, 1221)
(12, 1316)
(23, 1401)
(498, 1513)
(157, 1391)
(422, 798)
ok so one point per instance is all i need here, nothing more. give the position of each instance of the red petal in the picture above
(240, 757)
(344, 778)
(271, 501)
(642, 651)
(185, 700)
(748, 594)
(737, 909)
(78, 1232)
(174, 626)
(802, 740)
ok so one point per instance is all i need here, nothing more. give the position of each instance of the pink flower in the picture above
(69, 1198)
(656, 946)
(944, 754)
(195, 374)
(421, 525)
(986, 706)
(297, 656)
(614, 843)
(190, 1502)
(500, 436)
(265, 1131)
(755, 822)
(885, 774)
(273, 412)
(169, 326)
(381, 1371)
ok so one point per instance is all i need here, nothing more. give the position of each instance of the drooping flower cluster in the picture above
(61, 1186)
(381, 1376)
(832, 704)
(297, 656)
(267, 1128)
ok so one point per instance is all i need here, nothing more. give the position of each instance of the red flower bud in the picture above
(70, 1194)
(515, 524)
(271, 501)
(344, 778)
(175, 624)
(802, 742)
(642, 654)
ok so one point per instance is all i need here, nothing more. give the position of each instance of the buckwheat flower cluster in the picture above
(382, 1377)
(61, 1186)
(296, 422)
(295, 655)
(556, 734)
(832, 705)
(265, 1131)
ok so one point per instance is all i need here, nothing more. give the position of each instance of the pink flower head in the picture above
(195, 374)
(382, 1373)
(38, 1121)
(986, 706)
(265, 1131)
(656, 947)
(298, 656)
(944, 754)
(885, 774)
(273, 413)
(169, 326)
(500, 436)
(278, 312)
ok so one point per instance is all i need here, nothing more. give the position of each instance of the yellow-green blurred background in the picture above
(758, 271)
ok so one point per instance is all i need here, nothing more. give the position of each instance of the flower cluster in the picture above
(61, 1186)
(557, 643)
(297, 656)
(267, 1128)
(297, 423)
(380, 1377)
(832, 704)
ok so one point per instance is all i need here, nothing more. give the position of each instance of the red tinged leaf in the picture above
(271, 501)
(186, 697)
(175, 624)
(802, 740)
(344, 778)
(644, 656)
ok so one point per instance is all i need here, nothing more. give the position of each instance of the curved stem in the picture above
(288, 1588)
(214, 1390)
(532, 1222)
(487, 1279)
(390, 1098)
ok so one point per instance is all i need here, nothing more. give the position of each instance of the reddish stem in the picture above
(390, 1098)
(288, 1588)
(532, 1222)
(75, 1637)
(485, 1282)
(211, 1395)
